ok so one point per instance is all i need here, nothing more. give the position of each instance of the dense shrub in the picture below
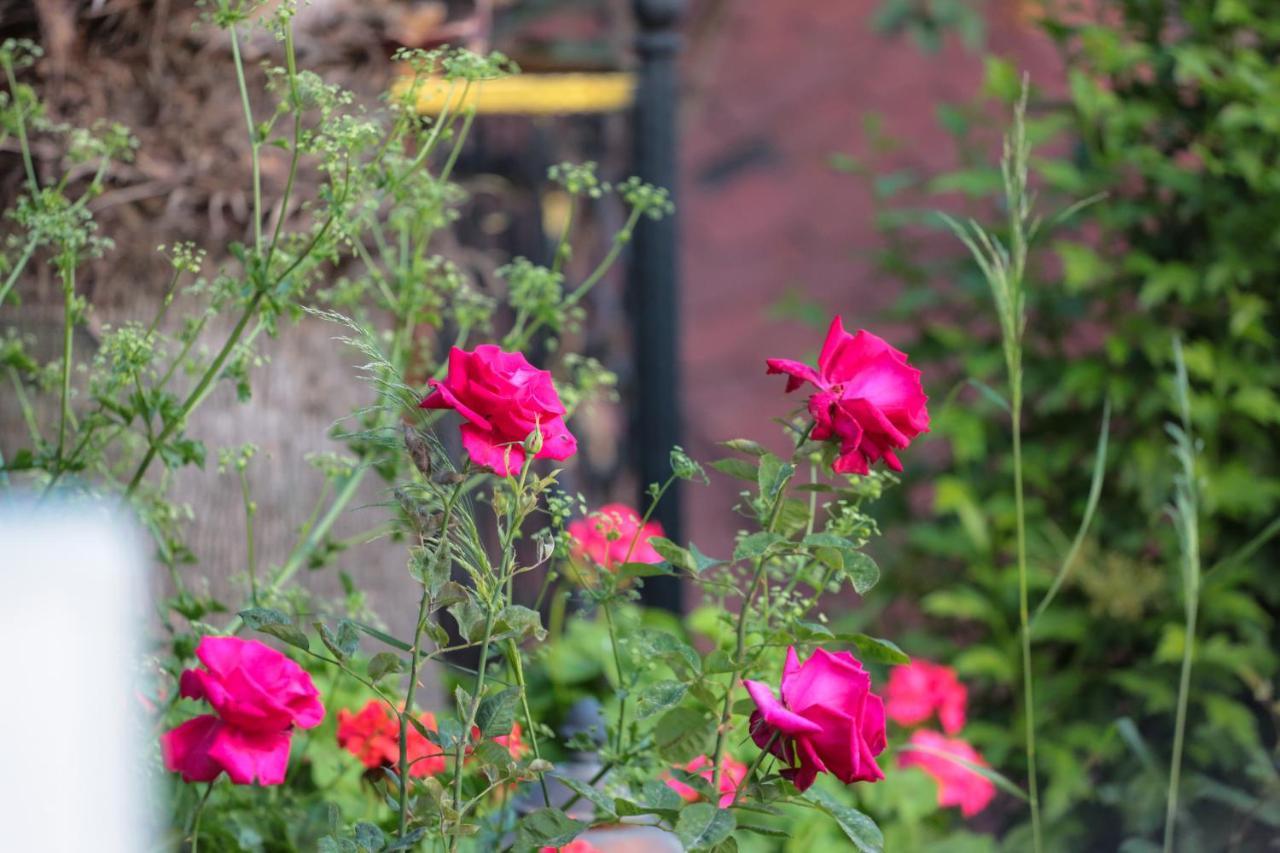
(1172, 111)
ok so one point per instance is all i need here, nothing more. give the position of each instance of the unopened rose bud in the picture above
(533, 442)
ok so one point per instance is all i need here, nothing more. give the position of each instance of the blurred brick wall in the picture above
(773, 91)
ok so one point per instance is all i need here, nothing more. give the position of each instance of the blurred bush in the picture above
(1172, 111)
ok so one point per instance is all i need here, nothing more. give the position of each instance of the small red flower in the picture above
(373, 736)
(869, 398)
(732, 774)
(957, 785)
(918, 689)
(605, 537)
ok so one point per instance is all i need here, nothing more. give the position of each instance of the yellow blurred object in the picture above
(526, 94)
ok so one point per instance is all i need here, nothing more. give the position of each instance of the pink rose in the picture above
(732, 774)
(578, 845)
(503, 399)
(919, 688)
(957, 784)
(258, 696)
(869, 398)
(606, 535)
(828, 721)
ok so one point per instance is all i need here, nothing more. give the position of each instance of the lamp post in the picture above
(653, 275)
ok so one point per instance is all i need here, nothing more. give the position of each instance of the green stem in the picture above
(196, 394)
(1179, 728)
(442, 549)
(518, 666)
(195, 823)
(249, 512)
(1024, 621)
(21, 122)
(68, 329)
(253, 138)
(765, 751)
(292, 66)
(18, 267)
(469, 722)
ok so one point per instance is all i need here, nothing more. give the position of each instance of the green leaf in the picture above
(266, 620)
(745, 445)
(384, 663)
(682, 734)
(595, 796)
(861, 571)
(738, 468)
(344, 643)
(652, 643)
(382, 636)
(497, 712)
(643, 570)
(658, 697)
(518, 622)
(370, 837)
(862, 830)
(875, 650)
(548, 828)
(755, 545)
(672, 553)
(701, 562)
(772, 476)
(703, 825)
(827, 540)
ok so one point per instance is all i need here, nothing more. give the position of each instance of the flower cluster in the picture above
(613, 535)
(258, 696)
(916, 692)
(373, 736)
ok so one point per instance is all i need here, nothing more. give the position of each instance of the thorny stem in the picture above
(441, 552)
(722, 729)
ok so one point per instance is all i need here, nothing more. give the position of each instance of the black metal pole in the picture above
(653, 283)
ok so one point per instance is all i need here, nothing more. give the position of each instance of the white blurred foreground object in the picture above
(72, 610)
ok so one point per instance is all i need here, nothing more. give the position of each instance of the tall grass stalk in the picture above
(1003, 266)
(1186, 518)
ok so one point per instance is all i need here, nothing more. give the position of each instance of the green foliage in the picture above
(1170, 111)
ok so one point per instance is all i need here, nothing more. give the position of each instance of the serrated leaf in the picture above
(671, 552)
(658, 697)
(755, 545)
(860, 829)
(266, 620)
(370, 837)
(703, 825)
(682, 734)
(497, 713)
(384, 663)
(643, 570)
(548, 828)
(740, 469)
(745, 445)
(650, 643)
(518, 622)
(861, 571)
(827, 540)
(592, 794)
(875, 650)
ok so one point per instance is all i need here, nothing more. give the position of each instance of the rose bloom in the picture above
(258, 696)
(373, 736)
(957, 784)
(502, 399)
(828, 720)
(918, 689)
(605, 537)
(732, 774)
(868, 398)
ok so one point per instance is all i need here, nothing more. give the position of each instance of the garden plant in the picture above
(285, 720)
